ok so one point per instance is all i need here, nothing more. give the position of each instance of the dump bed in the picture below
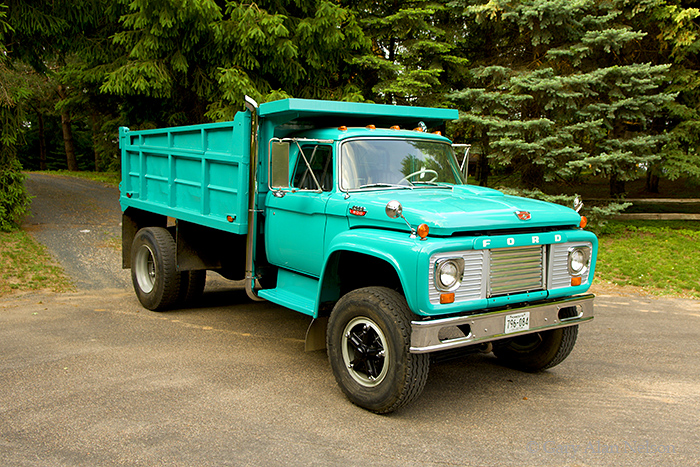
(194, 173)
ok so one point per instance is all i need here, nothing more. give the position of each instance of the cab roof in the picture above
(335, 113)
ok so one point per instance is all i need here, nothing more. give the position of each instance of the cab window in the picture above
(320, 161)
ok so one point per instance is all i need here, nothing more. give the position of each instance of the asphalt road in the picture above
(92, 379)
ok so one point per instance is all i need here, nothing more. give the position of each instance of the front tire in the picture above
(153, 268)
(368, 341)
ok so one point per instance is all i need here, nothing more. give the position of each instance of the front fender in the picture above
(396, 248)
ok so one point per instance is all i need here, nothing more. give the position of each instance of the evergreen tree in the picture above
(207, 57)
(67, 42)
(13, 196)
(416, 55)
(674, 27)
(558, 90)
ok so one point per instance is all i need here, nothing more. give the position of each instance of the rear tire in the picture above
(153, 268)
(368, 341)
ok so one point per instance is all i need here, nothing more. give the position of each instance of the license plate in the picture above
(517, 322)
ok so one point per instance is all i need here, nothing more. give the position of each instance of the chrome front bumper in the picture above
(460, 331)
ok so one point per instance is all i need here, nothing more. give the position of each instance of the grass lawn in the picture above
(110, 178)
(662, 257)
(25, 265)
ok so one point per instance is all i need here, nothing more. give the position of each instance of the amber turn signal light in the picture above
(575, 281)
(584, 222)
(447, 298)
(423, 231)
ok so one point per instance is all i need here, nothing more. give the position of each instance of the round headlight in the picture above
(578, 260)
(448, 274)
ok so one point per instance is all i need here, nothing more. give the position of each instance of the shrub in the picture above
(14, 199)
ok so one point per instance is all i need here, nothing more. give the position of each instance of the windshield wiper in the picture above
(432, 185)
(385, 185)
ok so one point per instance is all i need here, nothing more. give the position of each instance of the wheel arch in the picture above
(353, 265)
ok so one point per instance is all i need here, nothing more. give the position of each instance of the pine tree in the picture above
(416, 51)
(557, 91)
(207, 57)
(14, 199)
(675, 35)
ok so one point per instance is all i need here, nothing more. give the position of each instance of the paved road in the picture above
(92, 379)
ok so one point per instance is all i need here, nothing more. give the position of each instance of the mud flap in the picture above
(316, 335)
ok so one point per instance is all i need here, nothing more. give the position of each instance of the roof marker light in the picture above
(371, 127)
(343, 128)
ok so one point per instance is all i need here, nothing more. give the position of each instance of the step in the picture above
(295, 291)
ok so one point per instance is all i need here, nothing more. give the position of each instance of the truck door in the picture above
(295, 220)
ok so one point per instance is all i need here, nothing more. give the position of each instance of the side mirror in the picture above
(393, 209)
(279, 165)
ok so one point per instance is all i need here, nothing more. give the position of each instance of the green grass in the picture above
(111, 178)
(25, 265)
(662, 257)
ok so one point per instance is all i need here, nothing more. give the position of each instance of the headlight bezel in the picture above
(441, 267)
(578, 260)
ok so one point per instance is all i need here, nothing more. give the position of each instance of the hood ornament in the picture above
(523, 215)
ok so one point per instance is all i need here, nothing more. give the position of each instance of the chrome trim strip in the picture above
(490, 326)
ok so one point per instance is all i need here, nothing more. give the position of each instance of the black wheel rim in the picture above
(365, 351)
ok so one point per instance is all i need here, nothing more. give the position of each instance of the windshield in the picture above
(371, 163)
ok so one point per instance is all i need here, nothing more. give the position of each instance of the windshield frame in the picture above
(454, 165)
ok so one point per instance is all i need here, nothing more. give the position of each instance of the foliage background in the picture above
(553, 94)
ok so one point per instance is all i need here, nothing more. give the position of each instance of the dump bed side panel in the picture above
(195, 173)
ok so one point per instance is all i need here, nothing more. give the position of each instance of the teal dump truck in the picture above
(358, 216)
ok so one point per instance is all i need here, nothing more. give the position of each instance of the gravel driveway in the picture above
(79, 221)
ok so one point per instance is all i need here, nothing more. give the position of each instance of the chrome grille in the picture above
(518, 269)
(506, 271)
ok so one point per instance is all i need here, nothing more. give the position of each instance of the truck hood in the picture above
(463, 208)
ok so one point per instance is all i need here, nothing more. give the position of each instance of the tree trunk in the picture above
(68, 144)
(94, 120)
(42, 143)
(617, 186)
(652, 181)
